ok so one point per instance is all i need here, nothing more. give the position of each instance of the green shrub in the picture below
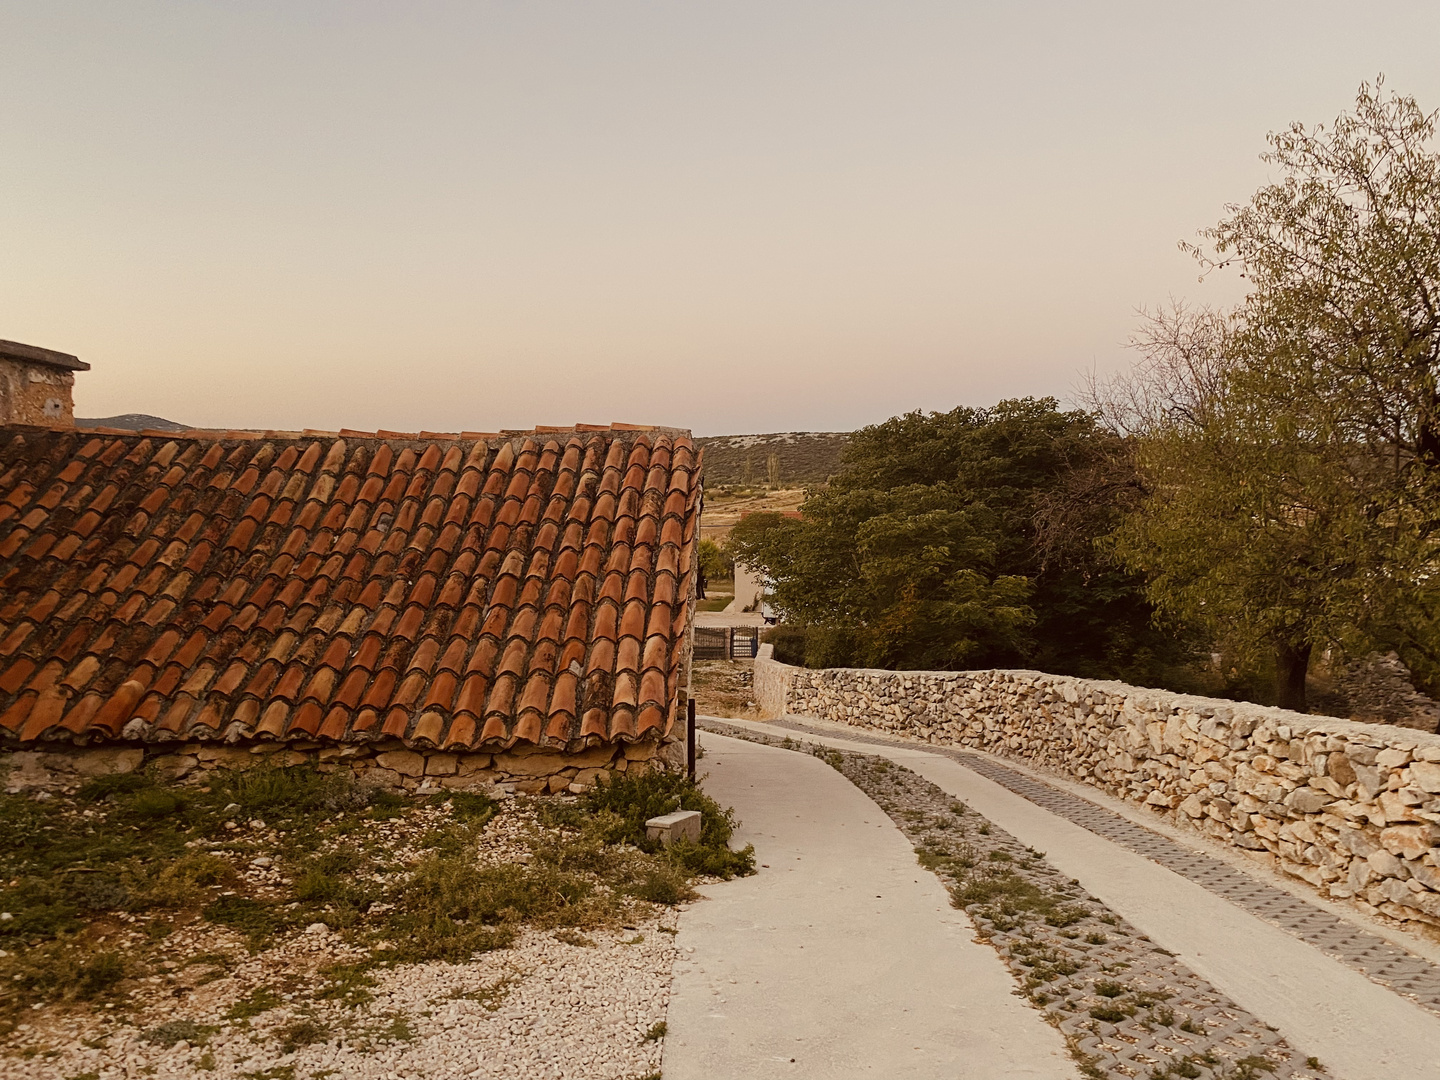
(256, 919)
(789, 642)
(471, 806)
(55, 971)
(267, 790)
(451, 908)
(153, 803)
(103, 787)
(632, 800)
(261, 999)
(302, 1032)
(663, 883)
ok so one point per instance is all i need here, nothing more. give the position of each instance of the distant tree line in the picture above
(1263, 487)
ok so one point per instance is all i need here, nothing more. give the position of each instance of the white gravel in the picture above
(541, 1010)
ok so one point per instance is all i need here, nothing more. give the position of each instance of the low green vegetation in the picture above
(93, 886)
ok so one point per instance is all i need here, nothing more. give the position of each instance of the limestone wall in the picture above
(527, 769)
(32, 393)
(1352, 808)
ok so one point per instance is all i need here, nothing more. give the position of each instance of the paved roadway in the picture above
(841, 958)
(848, 957)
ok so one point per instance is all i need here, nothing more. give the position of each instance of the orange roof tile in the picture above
(344, 587)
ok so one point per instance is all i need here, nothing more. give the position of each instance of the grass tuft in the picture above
(174, 1031)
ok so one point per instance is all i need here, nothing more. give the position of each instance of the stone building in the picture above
(429, 610)
(35, 385)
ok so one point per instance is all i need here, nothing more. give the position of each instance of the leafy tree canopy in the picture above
(1291, 447)
(924, 551)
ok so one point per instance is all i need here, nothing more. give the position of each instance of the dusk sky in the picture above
(734, 217)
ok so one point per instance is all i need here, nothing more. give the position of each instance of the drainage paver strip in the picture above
(1126, 1007)
(1379, 960)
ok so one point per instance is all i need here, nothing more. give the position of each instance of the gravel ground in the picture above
(541, 1009)
(588, 1005)
(1126, 1007)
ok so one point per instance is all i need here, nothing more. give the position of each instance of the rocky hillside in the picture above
(130, 422)
(801, 457)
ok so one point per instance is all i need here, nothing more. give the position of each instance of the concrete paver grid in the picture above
(842, 958)
(1359, 1029)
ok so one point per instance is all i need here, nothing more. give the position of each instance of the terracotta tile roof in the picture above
(452, 591)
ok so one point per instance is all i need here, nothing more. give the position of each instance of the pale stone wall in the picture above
(527, 769)
(32, 393)
(1351, 808)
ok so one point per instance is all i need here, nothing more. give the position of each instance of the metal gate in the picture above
(712, 643)
(727, 642)
(744, 642)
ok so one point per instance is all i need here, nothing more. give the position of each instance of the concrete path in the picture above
(1358, 1029)
(841, 958)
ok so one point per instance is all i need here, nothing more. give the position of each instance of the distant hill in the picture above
(130, 421)
(805, 457)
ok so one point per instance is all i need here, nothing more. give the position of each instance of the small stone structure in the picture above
(1352, 808)
(670, 828)
(36, 385)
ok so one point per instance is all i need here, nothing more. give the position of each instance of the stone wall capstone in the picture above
(1351, 808)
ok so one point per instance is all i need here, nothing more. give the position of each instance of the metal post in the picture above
(690, 738)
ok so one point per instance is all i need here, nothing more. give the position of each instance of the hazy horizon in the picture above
(739, 218)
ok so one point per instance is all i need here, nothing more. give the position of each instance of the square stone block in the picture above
(683, 824)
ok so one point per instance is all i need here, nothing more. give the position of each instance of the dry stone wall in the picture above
(524, 768)
(1351, 808)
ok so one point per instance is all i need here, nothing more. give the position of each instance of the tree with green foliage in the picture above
(715, 562)
(1290, 448)
(925, 551)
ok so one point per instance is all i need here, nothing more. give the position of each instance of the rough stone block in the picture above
(383, 778)
(442, 765)
(404, 762)
(1407, 841)
(174, 766)
(226, 757)
(1426, 776)
(1308, 801)
(551, 762)
(668, 828)
(104, 761)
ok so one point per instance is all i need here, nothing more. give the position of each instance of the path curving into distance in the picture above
(841, 958)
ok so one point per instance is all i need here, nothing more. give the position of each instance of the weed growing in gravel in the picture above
(491, 995)
(656, 1031)
(348, 984)
(174, 1031)
(261, 999)
(1009, 899)
(302, 1032)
